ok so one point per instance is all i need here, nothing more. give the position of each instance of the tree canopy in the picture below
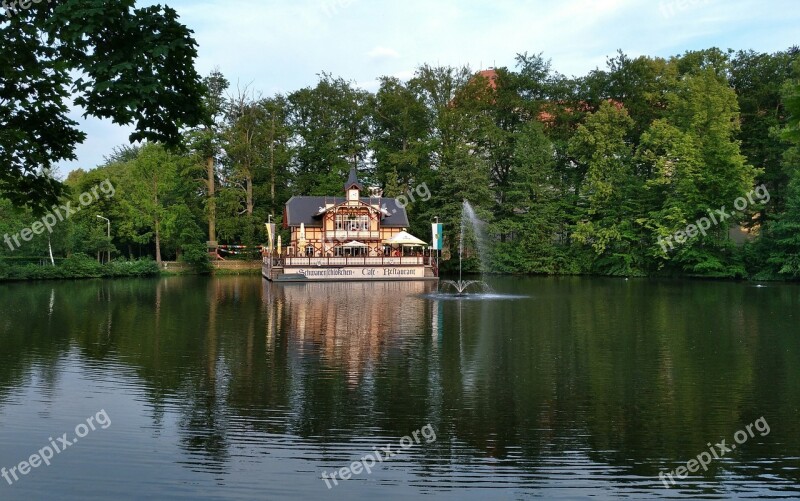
(587, 174)
(134, 66)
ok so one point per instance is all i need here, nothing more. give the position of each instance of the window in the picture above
(341, 222)
(352, 223)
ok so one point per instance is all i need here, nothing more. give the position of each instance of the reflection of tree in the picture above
(597, 366)
(627, 373)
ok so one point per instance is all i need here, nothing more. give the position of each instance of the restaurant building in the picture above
(348, 238)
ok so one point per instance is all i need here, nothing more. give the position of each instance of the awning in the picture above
(354, 244)
(404, 238)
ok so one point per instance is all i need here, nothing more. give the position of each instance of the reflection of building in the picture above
(348, 238)
(352, 323)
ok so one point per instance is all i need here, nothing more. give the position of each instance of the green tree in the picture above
(532, 196)
(780, 244)
(401, 145)
(332, 127)
(134, 66)
(206, 141)
(609, 191)
(758, 79)
(695, 160)
(278, 156)
(152, 207)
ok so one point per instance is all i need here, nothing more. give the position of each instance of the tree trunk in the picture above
(158, 243)
(50, 248)
(249, 195)
(272, 167)
(212, 203)
(157, 224)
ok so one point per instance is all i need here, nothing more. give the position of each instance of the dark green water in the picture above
(232, 388)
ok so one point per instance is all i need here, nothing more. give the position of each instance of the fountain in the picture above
(458, 289)
(468, 216)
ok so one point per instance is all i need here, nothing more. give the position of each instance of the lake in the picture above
(235, 388)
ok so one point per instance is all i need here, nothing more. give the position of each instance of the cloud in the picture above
(380, 52)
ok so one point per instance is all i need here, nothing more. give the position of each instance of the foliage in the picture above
(78, 266)
(132, 65)
(589, 174)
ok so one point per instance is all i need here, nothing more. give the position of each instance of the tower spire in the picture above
(352, 180)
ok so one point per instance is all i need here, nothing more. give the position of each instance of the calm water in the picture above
(232, 388)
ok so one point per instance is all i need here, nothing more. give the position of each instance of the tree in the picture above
(402, 149)
(695, 163)
(532, 198)
(206, 141)
(757, 79)
(245, 144)
(452, 171)
(332, 128)
(608, 192)
(150, 197)
(780, 244)
(134, 66)
(278, 135)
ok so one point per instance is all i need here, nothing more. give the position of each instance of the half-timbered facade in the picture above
(343, 226)
(348, 238)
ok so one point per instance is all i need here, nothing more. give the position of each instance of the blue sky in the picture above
(280, 46)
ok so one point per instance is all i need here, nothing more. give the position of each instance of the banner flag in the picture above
(270, 235)
(438, 239)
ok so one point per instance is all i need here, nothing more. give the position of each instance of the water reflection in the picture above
(576, 385)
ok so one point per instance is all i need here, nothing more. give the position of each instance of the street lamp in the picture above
(108, 235)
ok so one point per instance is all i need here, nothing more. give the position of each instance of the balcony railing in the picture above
(349, 261)
(344, 235)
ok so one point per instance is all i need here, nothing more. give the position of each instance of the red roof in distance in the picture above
(490, 75)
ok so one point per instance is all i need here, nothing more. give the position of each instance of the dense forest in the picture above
(572, 175)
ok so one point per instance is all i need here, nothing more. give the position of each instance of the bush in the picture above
(78, 266)
(81, 266)
(138, 268)
(197, 256)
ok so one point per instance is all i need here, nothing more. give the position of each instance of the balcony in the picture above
(345, 235)
(350, 261)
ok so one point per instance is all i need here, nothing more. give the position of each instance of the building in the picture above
(349, 238)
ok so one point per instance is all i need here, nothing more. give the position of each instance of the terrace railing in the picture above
(350, 261)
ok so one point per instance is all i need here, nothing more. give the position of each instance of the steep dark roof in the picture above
(353, 180)
(303, 209)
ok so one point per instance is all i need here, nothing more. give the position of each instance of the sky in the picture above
(278, 46)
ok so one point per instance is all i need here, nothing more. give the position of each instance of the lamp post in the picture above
(108, 235)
